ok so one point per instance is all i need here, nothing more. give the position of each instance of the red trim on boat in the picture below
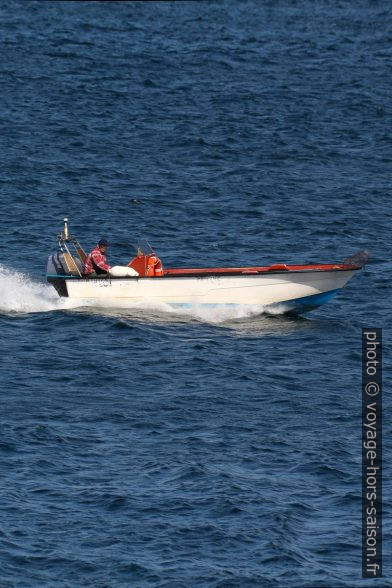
(277, 267)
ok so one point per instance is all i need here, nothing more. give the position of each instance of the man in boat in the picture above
(96, 263)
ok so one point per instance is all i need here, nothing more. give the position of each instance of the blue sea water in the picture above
(148, 447)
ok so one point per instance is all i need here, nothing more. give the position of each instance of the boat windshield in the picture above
(144, 247)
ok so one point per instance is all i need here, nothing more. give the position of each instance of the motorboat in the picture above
(280, 286)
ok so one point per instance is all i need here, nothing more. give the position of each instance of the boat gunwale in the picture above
(216, 273)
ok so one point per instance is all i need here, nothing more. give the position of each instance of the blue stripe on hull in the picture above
(294, 306)
(306, 303)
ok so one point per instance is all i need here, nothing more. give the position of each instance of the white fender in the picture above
(122, 271)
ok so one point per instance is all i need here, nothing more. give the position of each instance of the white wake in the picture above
(20, 294)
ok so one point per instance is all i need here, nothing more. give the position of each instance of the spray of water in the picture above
(204, 313)
(20, 294)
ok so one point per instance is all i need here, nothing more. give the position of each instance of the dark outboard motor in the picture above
(63, 264)
(57, 265)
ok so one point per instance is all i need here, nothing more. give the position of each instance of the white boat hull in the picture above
(262, 289)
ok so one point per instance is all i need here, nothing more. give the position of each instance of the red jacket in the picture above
(96, 260)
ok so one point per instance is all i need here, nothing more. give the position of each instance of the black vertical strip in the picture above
(372, 453)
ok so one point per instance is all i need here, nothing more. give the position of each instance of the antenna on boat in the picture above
(65, 231)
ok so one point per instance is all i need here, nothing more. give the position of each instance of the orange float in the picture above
(149, 266)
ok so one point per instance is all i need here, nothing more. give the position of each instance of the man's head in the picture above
(103, 244)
